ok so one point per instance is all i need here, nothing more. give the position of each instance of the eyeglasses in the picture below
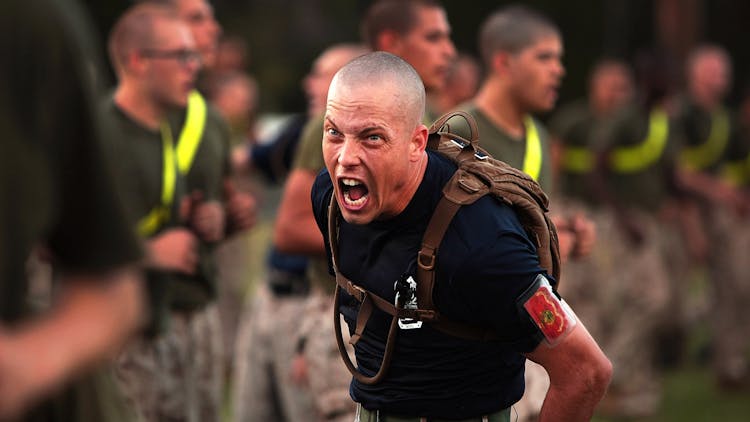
(184, 57)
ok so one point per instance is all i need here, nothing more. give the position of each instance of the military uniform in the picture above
(627, 309)
(575, 127)
(712, 144)
(272, 338)
(55, 184)
(176, 371)
(517, 152)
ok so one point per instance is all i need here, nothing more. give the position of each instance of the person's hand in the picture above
(565, 237)
(175, 250)
(240, 158)
(241, 208)
(208, 220)
(585, 235)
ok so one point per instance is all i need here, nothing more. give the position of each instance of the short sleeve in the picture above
(490, 267)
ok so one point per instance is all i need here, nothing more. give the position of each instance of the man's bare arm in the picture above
(89, 323)
(296, 230)
(579, 374)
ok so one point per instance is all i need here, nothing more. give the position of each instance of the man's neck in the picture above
(138, 107)
(500, 108)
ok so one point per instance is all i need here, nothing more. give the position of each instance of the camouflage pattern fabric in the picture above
(328, 377)
(620, 292)
(729, 237)
(266, 345)
(176, 376)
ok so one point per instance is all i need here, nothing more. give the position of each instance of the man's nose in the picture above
(450, 49)
(349, 153)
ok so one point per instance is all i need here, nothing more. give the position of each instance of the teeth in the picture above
(349, 201)
(350, 182)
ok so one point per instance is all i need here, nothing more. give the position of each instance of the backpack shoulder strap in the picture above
(477, 175)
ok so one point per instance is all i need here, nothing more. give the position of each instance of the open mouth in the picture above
(354, 192)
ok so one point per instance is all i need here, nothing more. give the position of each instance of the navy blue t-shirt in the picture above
(484, 264)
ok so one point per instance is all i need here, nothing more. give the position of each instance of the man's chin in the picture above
(357, 218)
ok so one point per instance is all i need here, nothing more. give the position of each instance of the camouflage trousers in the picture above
(328, 377)
(176, 376)
(729, 236)
(620, 292)
(266, 346)
(269, 341)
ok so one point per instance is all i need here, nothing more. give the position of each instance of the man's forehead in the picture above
(172, 31)
(357, 116)
(430, 18)
(194, 7)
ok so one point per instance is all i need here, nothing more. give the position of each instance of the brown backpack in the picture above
(478, 174)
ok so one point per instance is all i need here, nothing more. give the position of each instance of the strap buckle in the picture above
(356, 291)
(426, 261)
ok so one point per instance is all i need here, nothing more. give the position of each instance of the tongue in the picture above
(356, 192)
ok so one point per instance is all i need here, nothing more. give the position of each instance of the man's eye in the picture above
(332, 132)
(374, 137)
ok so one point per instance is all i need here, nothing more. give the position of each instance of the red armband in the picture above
(551, 315)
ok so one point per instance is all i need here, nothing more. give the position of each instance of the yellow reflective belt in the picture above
(702, 156)
(577, 160)
(638, 157)
(192, 131)
(532, 160)
(149, 224)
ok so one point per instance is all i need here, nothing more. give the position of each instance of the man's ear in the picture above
(418, 142)
(135, 62)
(389, 41)
(501, 61)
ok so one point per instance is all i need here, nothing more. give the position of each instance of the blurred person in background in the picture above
(637, 181)
(203, 141)
(290, 317)
(57, 194)
(574, 127)
(522, 55)
(461, 84)
(711, 143)
(173, 371)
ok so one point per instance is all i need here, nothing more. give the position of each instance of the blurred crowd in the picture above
(649, 180)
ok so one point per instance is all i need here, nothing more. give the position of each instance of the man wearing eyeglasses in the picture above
(166, 374)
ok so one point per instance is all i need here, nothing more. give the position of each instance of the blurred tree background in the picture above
(284, 36)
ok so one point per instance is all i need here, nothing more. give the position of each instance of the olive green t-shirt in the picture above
(648, 187)
(137, 154)
(210, 166)
(309, 157)
(506, 148)
(56, 186)
(309, 153)
(212, 158)
(696, 127)
(576, 127)
(55, 181)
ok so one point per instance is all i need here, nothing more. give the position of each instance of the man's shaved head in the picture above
(512, 29)
(135, 30)
(381, 68)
